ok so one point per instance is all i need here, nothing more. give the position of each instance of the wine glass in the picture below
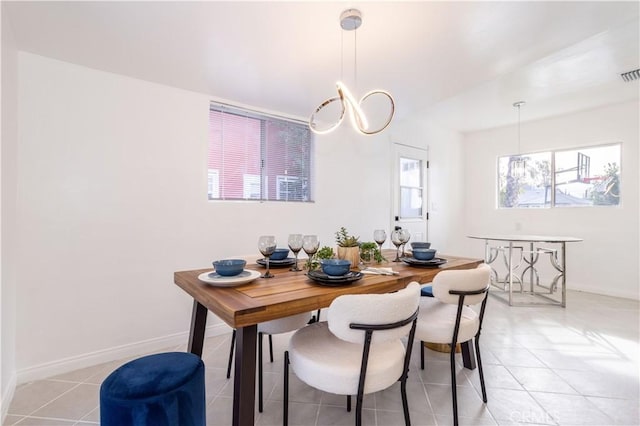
(405, 235)
(395, 239)
(295, 244)
(310, 245)
(267, 245)
(380, 237)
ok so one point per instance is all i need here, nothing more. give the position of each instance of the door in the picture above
(410, 198)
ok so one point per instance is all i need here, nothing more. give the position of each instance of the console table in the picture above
(529, 251)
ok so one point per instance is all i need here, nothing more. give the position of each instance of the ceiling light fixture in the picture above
(519, 163)
(377, 103)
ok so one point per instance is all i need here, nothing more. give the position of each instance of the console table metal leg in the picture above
(531, 262)
(564, 275)
(511, 273)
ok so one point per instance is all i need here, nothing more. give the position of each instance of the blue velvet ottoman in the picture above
(164, 389)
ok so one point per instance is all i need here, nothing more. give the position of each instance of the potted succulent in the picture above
(348, 246)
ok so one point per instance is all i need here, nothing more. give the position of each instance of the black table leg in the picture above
(468, 356)
(198, 326)
(244, 379)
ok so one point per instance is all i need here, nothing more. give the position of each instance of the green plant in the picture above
(325, 252)
(343, 239)
(369, 251)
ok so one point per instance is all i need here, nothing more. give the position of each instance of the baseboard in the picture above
(7, 397)
(66, 365)
(607, 291)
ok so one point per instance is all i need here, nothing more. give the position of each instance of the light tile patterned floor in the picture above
(543, 365)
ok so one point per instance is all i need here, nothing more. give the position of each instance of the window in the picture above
(588, 176)
(525, 181)
(569, 178)
(254, 156)
(410, 188)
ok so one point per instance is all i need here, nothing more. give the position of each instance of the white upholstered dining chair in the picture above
(447, 318)
(359, 349)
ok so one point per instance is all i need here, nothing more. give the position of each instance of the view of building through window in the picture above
(570, 178)
(257, 157)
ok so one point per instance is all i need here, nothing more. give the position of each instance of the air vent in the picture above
(631, 75)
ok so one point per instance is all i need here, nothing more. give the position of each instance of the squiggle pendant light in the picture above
(350, 20)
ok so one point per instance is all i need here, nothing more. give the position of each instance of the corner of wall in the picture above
(6, 397)
(9, 134)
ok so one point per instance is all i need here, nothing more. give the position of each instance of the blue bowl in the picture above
(420, 245)
(279, 254)
(423, 253)
(335, 267)
(229, 267)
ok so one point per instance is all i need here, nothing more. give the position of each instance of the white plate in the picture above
(214, 279)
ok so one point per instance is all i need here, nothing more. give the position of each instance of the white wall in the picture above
(112, 184)
(8, 215)
(607, 261)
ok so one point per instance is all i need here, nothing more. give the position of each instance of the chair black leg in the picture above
(454, 394)
(233, 342)
(349, 403)
(421, 355)
(260, 372)
(270, 348)
(318, 316)
(405, 403)
(484, 390)
(285, 398)
(359, 399)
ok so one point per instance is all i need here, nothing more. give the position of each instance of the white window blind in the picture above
(246, 148)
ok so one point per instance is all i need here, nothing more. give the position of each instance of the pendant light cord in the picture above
(341, 55)
(518, 105)
(355, 59)
(519, 147)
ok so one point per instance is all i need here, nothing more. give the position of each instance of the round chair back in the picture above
(462, 280)
(373, 309)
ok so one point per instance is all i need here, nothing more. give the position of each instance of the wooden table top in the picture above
(290, 293)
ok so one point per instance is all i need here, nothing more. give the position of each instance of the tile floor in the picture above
(543, 365)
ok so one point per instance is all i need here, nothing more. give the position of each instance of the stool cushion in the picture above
(426, 291)
(160, 389)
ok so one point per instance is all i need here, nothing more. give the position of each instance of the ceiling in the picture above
(461, 63)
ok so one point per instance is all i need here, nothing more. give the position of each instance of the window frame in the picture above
(265, 157)
(553, 177)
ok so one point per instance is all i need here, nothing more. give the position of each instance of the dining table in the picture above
(244, 306)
